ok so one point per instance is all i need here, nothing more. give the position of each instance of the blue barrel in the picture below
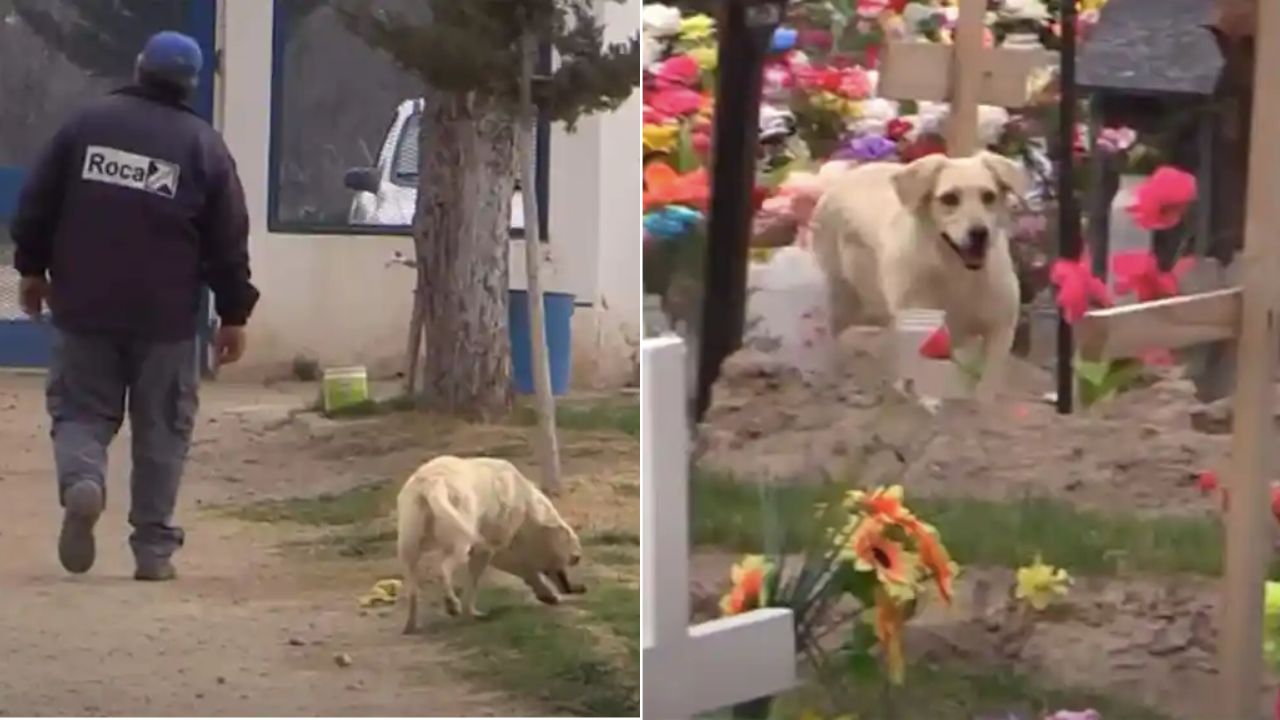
(559, 314)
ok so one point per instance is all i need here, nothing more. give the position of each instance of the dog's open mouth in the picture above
(973, 255)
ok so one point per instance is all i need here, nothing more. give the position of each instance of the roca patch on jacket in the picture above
(132, 206)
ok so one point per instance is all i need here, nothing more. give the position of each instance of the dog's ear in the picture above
(1010, 175)
(914, 182)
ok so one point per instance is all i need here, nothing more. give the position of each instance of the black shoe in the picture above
(157, 570)
(82, 505)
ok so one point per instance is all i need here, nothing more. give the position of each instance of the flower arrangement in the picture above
(878, 557)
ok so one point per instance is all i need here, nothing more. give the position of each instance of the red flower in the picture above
(897, 128)
(1139, 273)
(1077, 286)
(871, 53)
(938, 345)
(816, 39)
(680, 70)
(1207, 481)
(672, 102)
(1275, 500)
(1160, 202)
(925, 145)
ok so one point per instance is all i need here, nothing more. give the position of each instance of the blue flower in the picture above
(671, 222)
(868, 148)
(784, 38)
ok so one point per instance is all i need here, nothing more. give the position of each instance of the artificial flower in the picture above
(1160, 202)
(897, 128)
(680, 70)
(660, 21)
(665, 186)
(672, 102)
(697, 28)
(925, 145)
(882, 503)
(706, 57)
(1157, 357)
(1077, 287)
(821, 40)
(1139, 273)
(749, 591)
(671, 222)
(938, 345)
(1117, 139)
(871, 8)
(873, 551)
(934, 557)
(868, 148)
(889, 619)
(1039, 583)
(1089, 714)
(1207, 481)
(660, 138)
(784, 39)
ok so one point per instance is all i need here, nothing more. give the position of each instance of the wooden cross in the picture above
(690, 670)
(966, 75)
(1247, 314)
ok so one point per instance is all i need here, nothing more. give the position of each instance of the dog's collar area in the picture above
(970, 262)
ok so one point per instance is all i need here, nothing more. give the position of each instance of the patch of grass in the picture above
(357, 505)
(552, 654)
(620, 414)
(956, 691)
(745, 517)
(612, 537)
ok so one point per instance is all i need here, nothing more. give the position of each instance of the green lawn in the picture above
(747, 517)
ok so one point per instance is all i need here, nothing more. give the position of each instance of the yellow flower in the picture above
(705, 56)
(749, 591)
(660, 138)
(1039, 583)
(1092, 4)
(697, 28)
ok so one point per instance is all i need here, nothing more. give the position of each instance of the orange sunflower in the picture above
(873, 551)
(883, 503)
(934, 556)
(748, 592)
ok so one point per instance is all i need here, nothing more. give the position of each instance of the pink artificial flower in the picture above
(671, 103)
(680, 70)
(871, 8)
(1160, 202)
(817, 39)
(1077, 287)
(1117, 139)
(938, 345)
(778, 79)
(1207, 481)
(897, 128)
(855, 84)
(1156, 357)
(1138, 272)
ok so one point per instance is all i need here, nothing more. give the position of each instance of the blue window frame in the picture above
(331, 98)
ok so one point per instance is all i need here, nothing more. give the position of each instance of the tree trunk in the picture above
(413, 357)
(461, 236)
(548, 446)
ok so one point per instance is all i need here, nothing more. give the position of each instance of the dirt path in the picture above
(242, 632)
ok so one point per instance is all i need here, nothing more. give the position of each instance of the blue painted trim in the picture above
(275, 224)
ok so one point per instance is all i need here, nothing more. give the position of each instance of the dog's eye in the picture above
(988, 197)
(949, 199)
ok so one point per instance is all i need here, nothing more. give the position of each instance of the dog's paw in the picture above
(452, 606)
(477, 614)
(549, 599)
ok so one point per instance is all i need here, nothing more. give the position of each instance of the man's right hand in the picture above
(33, 293)
(228, 344)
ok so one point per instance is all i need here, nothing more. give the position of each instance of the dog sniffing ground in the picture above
(285, 530)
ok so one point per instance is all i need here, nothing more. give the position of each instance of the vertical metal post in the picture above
(745, 30)
(1068, 213)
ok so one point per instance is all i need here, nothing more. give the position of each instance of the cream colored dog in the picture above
(481, 511)
(930, 234)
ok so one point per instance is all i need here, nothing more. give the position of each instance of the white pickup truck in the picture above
(386, 194)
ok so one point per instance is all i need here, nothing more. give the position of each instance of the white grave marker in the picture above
(690, 669)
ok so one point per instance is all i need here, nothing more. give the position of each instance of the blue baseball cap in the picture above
(172, 57)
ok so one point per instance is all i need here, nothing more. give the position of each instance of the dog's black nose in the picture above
(978, 236)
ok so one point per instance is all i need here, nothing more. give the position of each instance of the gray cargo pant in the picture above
(92, 380)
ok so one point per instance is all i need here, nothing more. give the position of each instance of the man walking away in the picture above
(132, 207)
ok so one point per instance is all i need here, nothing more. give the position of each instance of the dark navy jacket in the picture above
(130, 209)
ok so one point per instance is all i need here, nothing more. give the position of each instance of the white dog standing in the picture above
(930, 234)
(480, 511)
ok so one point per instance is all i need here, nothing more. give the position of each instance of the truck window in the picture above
(404, 165)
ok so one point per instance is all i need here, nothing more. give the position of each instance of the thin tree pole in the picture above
(548, 446)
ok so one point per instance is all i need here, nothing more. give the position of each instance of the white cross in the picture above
(690, 669)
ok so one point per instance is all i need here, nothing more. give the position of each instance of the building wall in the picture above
(333, 298)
